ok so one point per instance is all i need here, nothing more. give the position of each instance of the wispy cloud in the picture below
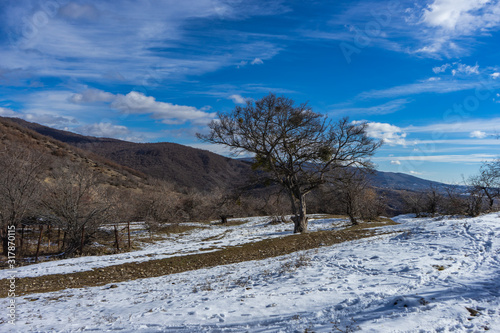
(436, 29)
(428, 86)
(386, 108)
(466, 126)
(93, 41)
(468, 158)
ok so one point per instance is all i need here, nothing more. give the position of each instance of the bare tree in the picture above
(488, 181)
(21, 171)
(474, 202)
(454, 202)
(75, 201)
(414, 202)
(297, 147)
(349, 186)
(373, 204)
(159, 204)
(433, 200)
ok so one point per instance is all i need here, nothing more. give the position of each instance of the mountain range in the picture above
(191, 168)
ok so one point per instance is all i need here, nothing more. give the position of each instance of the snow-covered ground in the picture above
(428, 277)
(206, 238)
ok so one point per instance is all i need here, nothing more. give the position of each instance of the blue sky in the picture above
(425, 75)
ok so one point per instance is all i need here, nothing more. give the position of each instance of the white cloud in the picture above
(415, 173)
(257, 61)
(478, 134)
(71, 105)
(138, 103)
(92, 96)
(459, 15)
(495, 75)
(457, 68)
(450, 25)
(238, 99)
(464, 69)
(396, 162)
(4, 112)
(441, 69)
(390, 134)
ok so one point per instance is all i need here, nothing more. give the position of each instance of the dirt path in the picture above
(131, 271)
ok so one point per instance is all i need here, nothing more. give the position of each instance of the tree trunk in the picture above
(116, 239)
(491, 200)
(300, 218)
(350, 209)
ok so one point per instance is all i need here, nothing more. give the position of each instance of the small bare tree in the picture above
(159, 204)
(76, 201)
(296, 147)
(433, 198)
(21, 172)
(454, 201)
(414, 202)
(488, 182)
(349, 186)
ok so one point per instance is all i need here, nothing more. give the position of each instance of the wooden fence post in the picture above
(38, 245)
(116, 239)
(128, 229)
(58, 237)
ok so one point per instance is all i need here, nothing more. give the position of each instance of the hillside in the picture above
(12, 134)
(186, 167)
(401, 181)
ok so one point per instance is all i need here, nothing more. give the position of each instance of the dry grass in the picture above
(250, 251)
(231, 222)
